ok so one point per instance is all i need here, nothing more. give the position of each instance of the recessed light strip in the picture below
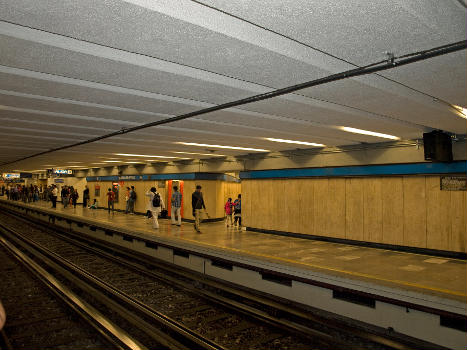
(371, 133)
(462, 111)
(202, 154)
(221, 146)
(141, 155)
(295, 142)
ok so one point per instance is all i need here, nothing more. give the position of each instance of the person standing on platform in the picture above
(64, 195)
(228, 208)
(132, 200)
(127, 200)
(155, 205)
(176, 206)
(74, 198)
(238, 211)
(197, 202)
(54, 196)
(85, 196)
(110, 199)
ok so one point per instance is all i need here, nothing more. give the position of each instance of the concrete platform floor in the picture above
(440, 277)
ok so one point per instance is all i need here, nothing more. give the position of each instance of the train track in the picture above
(186, 306)
(43, 314)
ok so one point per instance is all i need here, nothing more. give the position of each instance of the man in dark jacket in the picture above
(197, 202)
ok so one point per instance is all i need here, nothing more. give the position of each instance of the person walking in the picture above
(85, 196)
(228, 208)
(155, 205)
(132, 200)
(74, 198)
(54, 196)
(176, 206)
(197, 203)
(238, 211)
(110, 199)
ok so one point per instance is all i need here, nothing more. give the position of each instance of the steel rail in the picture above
(392, 62)
(186, 338)
(112, 332)
(274, 305)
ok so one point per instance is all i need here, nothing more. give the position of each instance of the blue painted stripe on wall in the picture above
(367, 170)
(185, 176)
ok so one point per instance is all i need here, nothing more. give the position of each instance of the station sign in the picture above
(63, 171)
(10, 176)
(59, 181)
(453, 183)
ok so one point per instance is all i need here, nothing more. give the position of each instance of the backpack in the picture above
(133, 195)
(156, 201)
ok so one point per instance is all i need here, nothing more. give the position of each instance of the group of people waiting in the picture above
(154, 208)
(233, 209)
(31, 193)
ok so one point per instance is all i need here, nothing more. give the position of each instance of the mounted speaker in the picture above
(437, 146)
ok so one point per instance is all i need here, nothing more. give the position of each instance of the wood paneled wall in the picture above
(400, 210)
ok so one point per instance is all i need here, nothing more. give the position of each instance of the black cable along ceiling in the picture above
(391, 62)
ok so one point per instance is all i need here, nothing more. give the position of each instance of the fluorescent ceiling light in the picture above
(141, 155)
(112, 161)
(297, 142)
(220, 146)
(75, 166)
(371, 133)
(462, 111)
(202, 154)
(98, 163)
(75, 162)
(133, 162)
(49, 165)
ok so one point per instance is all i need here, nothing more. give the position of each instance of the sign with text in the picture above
(453, 183)
(10, 176)
(63, 171)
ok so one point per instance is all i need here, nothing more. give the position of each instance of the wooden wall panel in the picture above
(396, 210)
(335, 220)
(354, 208)
(393, 223)
(279, 197)
(246, 203)
(438, 215)
(372, 210)
(292, 196)
(414, 211)
(306, 206)
(458, 221)
(320, 206)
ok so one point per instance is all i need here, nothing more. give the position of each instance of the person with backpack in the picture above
(238, 211)
(110, 199)
(155, 205)
(132, 200)
(74, 198)
(176, 201)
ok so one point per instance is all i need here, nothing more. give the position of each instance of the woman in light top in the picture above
(155, 205)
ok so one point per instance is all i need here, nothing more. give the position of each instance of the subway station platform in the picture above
(385, 288)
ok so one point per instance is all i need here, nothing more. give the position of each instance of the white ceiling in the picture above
(74, 70)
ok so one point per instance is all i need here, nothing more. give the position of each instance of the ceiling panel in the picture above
(71, 71)
(104, 95)
(47, 59)
(354, 30)
(122, 25)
